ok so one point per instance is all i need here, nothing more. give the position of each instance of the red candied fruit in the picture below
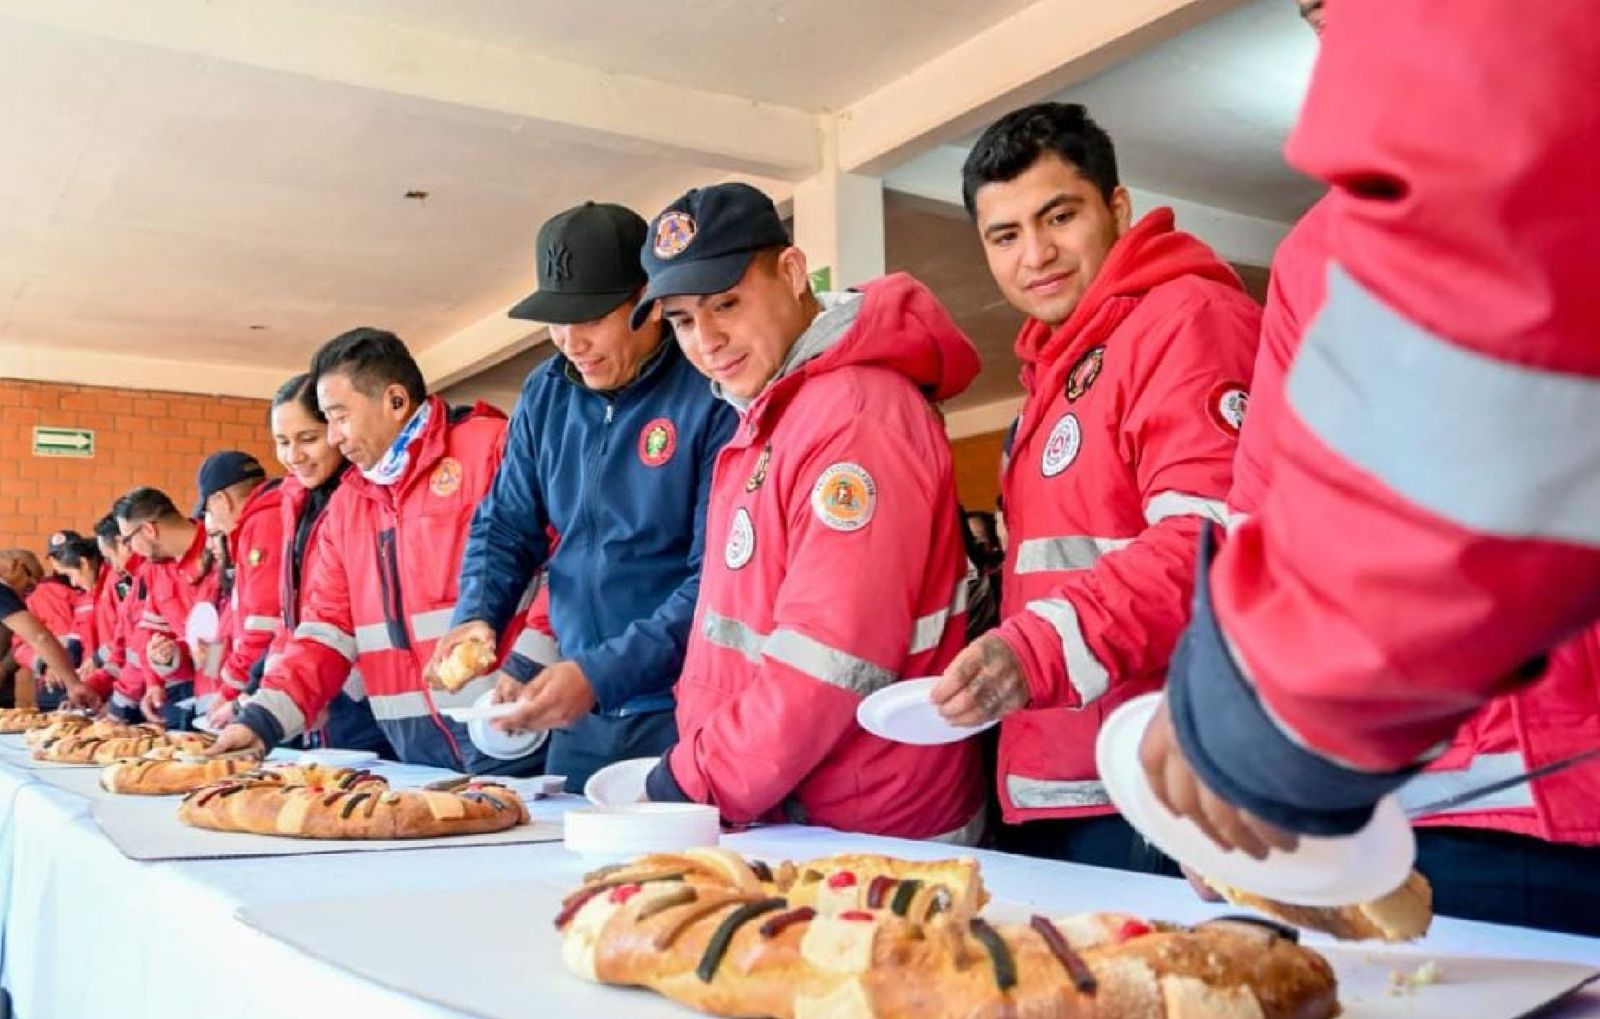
(842, 879)
(622, 893)
(1134, 929)
(860, 915)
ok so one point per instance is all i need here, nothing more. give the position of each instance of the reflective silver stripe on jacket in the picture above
(1432, 786)
(329, 636)
(1067, 552)
(928, 631)
(1184, 504)
(373, 637)
(415, 703)
(1084, 671)
(800, 652)
(537, 647)
(432, 624)
(261, 624)
(283, 708)
(1490, 446)
(229, 677)
(1047, 794)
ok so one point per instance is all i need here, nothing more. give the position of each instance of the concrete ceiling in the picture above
(810, 54)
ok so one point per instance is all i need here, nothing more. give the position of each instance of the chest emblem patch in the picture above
(446, 478)
(1227, 406)
(1061, 448)
(1085, 372)
(844, 497)
(658, 440)
(741, 545)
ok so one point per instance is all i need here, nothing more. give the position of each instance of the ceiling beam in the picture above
(480, 346)
(1249, 240)
(1027, 57)
(48, 363)
(565, 99)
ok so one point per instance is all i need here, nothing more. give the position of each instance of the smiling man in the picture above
(1136, 359)
(611, 448)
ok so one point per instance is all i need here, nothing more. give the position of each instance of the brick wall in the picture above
(141, 438)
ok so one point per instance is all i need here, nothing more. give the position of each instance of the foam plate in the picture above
(620, 784)
(639, 828)
(1320, 872)
(903, 712)
(330, 757)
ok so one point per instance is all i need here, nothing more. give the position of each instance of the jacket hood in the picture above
(1151, 253)
(894, 323)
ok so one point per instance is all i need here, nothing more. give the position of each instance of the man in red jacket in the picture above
(172, 546)
(1136, 360)
(1525, 854)
(383, 585)
(835, 561)
(238, 501)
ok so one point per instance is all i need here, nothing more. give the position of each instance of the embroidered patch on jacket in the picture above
(1085, 372)
(741, 540)
(759, 475)
(256, 555)
(1227, 405)
(1061, 448)
(658, 440)
(674, 234)
(844, 497)
(446, 477)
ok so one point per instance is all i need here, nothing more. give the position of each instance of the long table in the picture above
(89, 933)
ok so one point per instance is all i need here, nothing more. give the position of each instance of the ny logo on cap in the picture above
(558, 263)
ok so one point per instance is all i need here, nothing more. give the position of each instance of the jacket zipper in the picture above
(405, 626)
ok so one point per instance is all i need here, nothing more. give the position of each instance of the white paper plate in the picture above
(903, 712)
(620, 784)
(200, 723)
(330, 757)
(639, 828)
(1320, 872)
(493, 741)
(202, 623)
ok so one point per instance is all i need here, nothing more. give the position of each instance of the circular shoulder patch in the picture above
(844, 497)
(446, 477)
(674, 234)
(658, 440)
(1227, 405)
(741, 545)
(1061, 448)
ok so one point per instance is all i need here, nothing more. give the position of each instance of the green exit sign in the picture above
(73, 442)
(822, 279)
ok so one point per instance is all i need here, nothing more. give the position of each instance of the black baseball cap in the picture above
(703, 242)
(223, 469)
(588, 264)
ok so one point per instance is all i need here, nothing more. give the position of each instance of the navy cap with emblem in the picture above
(703, 242)
(220, 470)
(588, 264)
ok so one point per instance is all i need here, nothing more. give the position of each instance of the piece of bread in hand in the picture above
(467, 661)
(1402, 915)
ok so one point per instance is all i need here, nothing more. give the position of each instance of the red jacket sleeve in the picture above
(745, 759)
(1120, 618)
(166, 613)
(257, 606)
(52, 605)
(316, 661)
(1431, 524)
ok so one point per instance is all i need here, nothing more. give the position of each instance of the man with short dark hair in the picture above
(611, 448)
(837, 565)
(1136, 360)
(383, 587)
(173, 547)
(238, 501)
(20, 572)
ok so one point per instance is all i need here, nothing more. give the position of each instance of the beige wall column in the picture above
(838, 220)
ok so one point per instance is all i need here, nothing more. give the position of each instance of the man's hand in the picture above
(233, 739)
(554, 699)
(1176, 784)
(50, 680)
(80, 696)
(162, 650)
(507, 688)
(983, 683)
(154, 699)
(476, 629)
(220, 716)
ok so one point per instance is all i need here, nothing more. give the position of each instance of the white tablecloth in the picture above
(88, 933)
